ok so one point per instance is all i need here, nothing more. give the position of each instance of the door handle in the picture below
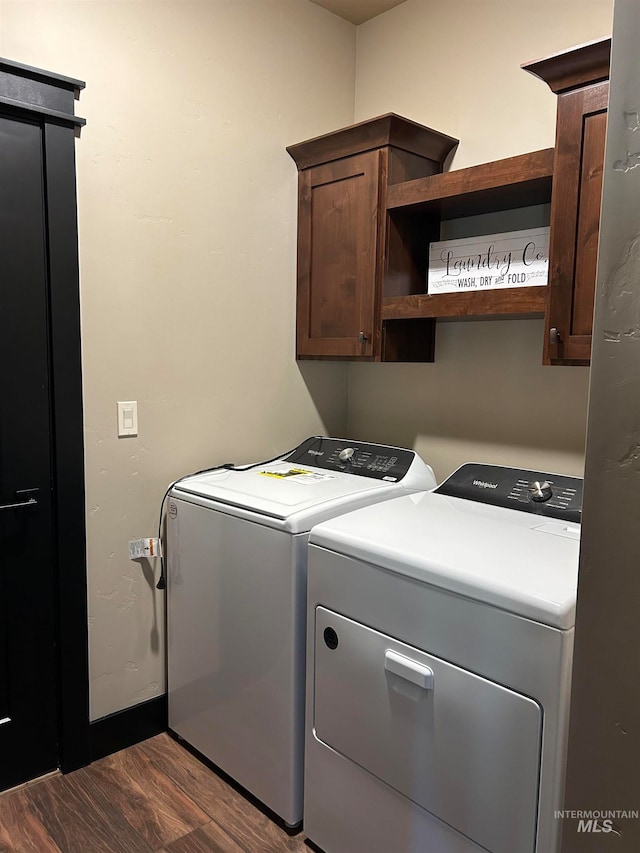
(554, 336)
(411, 670)
(20, 504)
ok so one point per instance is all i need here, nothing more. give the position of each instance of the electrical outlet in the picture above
(139, 548)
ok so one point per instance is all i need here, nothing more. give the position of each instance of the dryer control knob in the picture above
(346, 454)
(540, 491)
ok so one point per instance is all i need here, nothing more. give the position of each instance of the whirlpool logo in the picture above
(482, 484)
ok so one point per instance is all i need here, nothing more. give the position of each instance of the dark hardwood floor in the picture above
(154, 796)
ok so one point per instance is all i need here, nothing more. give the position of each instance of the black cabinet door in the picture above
(28, 719)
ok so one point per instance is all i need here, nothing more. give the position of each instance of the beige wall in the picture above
(187, 210)
(454, 65)
(187, 244)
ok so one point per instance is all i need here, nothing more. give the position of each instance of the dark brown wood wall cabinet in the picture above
(372, 198)
(343, 182)
(580, 79)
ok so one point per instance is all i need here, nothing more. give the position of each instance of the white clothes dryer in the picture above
(236, 602)
(440, 639)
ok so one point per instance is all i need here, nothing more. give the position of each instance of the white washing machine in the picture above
(440, 639)
(236, 596)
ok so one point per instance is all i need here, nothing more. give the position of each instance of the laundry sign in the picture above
(495, 262)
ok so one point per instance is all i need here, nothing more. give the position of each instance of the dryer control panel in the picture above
(379, 461)
(548, 495)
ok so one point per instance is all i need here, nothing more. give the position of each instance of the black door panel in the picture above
(28, 721)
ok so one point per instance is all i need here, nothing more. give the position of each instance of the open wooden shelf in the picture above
(416, 208)
(511, 302)
(514, 182)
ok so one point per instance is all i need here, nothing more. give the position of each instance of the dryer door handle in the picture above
(411, 670)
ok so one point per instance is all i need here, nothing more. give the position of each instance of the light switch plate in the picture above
(127, 418)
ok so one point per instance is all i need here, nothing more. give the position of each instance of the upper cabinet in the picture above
(580, 79)
(344, 178)
(373, 197)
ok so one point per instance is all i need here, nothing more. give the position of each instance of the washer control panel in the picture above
(378, 461)
(549, 495)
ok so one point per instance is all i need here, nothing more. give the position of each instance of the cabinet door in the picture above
(338, 263)
(575, 221)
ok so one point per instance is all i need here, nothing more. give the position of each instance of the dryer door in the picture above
(462, 747)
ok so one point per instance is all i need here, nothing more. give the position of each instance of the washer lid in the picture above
(282, 489)
(525, 564)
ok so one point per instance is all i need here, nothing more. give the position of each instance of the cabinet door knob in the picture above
(363, 338)
(554, 336)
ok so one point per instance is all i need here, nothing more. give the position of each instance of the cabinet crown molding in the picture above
(385, 130)
(573, 68)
